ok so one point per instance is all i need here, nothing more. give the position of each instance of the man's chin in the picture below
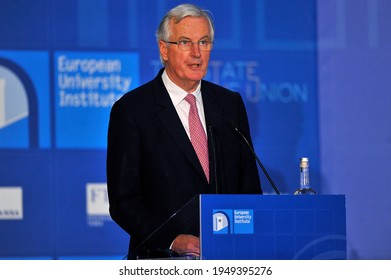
(196, 75)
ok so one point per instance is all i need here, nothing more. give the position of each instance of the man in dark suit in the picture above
(153, 170)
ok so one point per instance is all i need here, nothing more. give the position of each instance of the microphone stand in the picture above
(214, 158)
(257, 159)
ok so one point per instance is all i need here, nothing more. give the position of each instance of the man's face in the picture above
(186, 68)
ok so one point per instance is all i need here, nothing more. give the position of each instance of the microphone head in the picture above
(234, 126)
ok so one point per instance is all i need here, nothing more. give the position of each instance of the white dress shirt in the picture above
(182, 107)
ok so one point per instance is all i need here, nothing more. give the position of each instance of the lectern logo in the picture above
(233, 221)
(221, 221)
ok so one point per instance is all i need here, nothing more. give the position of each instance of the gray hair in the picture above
(177, 14)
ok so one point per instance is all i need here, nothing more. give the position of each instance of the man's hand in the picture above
(186, 244)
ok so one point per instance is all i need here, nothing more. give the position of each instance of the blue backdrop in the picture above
(64, 63)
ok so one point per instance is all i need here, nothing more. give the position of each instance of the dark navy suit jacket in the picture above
(153, 170)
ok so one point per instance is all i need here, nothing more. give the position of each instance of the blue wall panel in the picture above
(266, 50)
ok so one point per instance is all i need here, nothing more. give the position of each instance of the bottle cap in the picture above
(303, 162)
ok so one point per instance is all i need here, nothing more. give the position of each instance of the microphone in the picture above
(256, 157)
(186, 218)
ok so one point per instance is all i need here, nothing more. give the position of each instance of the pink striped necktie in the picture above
(198, 135)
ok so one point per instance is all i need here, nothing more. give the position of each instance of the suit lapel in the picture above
(212, 109)
(214, 122)
(166, 112)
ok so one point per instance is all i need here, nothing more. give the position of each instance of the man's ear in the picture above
(163, 49)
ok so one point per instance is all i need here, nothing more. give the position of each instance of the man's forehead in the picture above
(190, 25)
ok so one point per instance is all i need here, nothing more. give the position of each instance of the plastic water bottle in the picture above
(305, 187)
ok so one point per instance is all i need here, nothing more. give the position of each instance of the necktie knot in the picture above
(191, 99)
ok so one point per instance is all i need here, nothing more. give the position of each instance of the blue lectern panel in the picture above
(273, 227)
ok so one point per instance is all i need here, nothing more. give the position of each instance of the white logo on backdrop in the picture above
(13, 98)
(97, 204)
(11, 203)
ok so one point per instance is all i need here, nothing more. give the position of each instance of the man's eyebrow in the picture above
(188, 39)
(184, 38)
(207, 37)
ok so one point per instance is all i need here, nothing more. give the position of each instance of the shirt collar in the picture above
(176, 93)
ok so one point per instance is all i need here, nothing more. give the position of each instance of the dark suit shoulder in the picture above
(212, 92)
(143, 92)
(217, 88)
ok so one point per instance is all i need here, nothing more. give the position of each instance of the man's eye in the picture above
(184, 42)
(203, 42)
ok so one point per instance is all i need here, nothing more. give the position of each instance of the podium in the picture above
(273, 227)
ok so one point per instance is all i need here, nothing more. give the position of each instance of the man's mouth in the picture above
(195, 65)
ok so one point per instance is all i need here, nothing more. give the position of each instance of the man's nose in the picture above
(195, 49)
